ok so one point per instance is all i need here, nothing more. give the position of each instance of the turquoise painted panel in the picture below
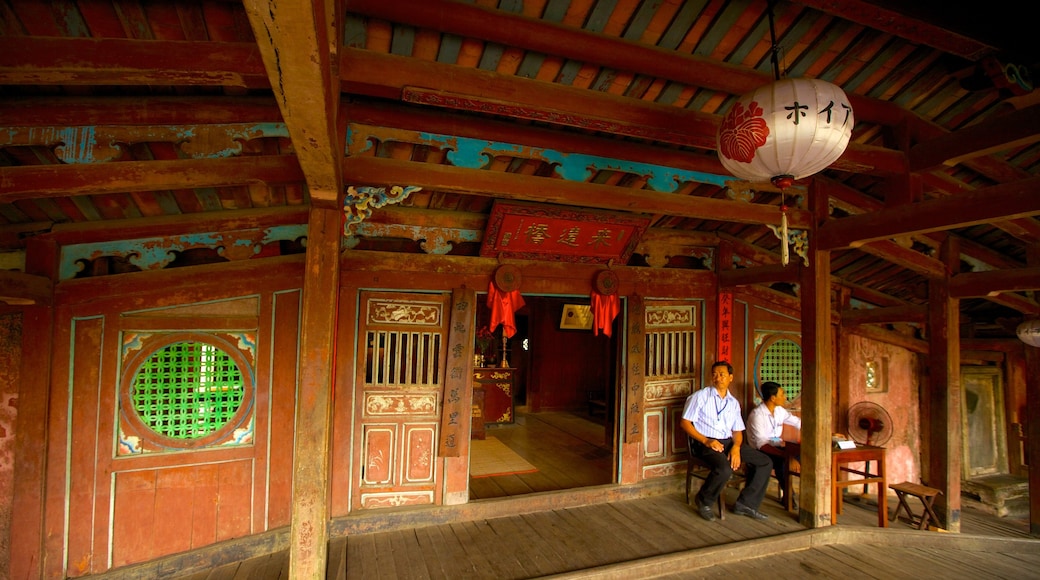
(157, 253)
(477, 154)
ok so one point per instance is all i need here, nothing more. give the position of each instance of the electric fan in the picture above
(869, 424)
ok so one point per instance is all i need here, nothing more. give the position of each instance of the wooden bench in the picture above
(922, 492)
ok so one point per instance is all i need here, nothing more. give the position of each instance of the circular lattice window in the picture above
(780, 361)
(187, 391)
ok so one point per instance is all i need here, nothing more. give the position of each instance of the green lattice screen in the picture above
(782, 363)
(187, 390)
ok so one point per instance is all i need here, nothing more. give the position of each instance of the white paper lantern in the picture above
(785, 131)
(1029, 332)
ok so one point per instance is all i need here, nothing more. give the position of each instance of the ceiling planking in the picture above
(163, 110)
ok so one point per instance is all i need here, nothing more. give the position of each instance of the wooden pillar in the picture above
(944, 392)
(817, 376)
(842, 390)
(308, 542)
(29, 557)
(30, 446)
(1032, 424)
(1032, 416)
(632, 438)
(457, 411)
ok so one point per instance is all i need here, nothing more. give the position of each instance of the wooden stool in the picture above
(922, 492)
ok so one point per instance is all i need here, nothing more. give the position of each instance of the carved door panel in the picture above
(402, 347)
(673, 354)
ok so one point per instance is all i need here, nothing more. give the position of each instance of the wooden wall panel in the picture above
(284, 355)
(153, 508)
(85, 555)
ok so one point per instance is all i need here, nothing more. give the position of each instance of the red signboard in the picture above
(544, 232)
(725, 337)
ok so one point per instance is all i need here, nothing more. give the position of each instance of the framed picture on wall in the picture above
(576, 317)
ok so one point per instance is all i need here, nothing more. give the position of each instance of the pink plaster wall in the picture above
(900, 399)
(10, 371)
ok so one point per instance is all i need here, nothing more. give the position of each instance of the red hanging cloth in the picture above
(503, 307)
(605, 307)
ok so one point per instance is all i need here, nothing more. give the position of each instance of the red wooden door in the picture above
(673, 333)
(402, 349)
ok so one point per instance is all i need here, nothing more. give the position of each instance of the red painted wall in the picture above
(566, 363)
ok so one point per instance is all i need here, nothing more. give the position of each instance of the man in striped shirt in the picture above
(712, 418)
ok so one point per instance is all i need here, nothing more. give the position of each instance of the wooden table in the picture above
(840, 458)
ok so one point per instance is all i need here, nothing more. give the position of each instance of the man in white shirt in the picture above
(712, 419)
(766, 427)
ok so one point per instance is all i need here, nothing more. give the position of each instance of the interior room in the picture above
(559, 432)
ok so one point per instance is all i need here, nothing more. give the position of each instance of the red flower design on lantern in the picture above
(743, 131)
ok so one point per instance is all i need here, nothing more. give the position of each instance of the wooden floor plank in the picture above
(557, 539)
(878, 561)
(536, 552)
(589, 526)
(814, 563)
(973, 564)
(645, 534)
(438, 553)
(409, 560)
(336, 569)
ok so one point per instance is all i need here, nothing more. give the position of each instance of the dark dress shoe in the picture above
(705, 511)
(743, 510)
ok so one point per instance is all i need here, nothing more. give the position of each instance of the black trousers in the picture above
(757, 467)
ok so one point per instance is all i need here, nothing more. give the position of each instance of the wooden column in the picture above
(30, 557)
(457, 413)
(1032, 421)
(817, 376)
(944, 393)
(308, 542)
(843, 349)
(1032, 415)
(632, 399)
(30, 447)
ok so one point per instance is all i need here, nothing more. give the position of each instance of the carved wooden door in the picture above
(673, 354)
(402, 348)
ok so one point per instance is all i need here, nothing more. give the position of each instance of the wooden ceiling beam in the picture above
(388, 76)
(48, 181)
(871, 15)
(1016, 129)
(982, 206)
(299, 41)
(989, 283)
(768, 274)
(439, 122)
(912, 313)
(21, 289)
(892, 337)
(38, 60)
(905, 258)
(185, 111)
(377, 171)
(1017, 302)
(508, 29)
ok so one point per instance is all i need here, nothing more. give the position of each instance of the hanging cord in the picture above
(785, 252)
(775, 56)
